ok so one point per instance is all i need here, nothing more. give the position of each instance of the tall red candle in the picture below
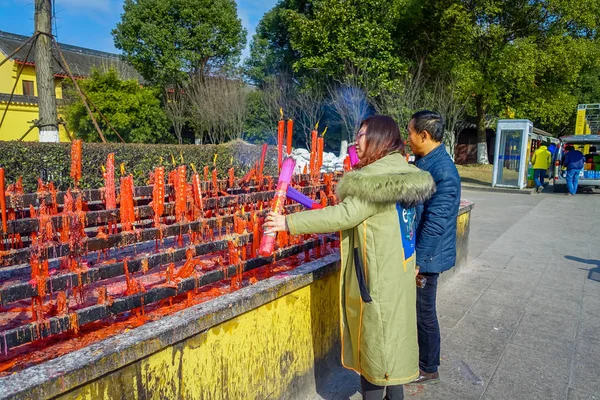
(262, 160)
(215, 182)
(290, 128)
(110, 194)
(313, 151)
(197, 191)
(231, 177)
(3, 200)
(280, 133)
(76, 161)
(320, 144)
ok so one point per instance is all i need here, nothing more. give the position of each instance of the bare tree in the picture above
(351, 101)
(279, 93)
(402, 103)
(308, 108)
(447, 99)
(176, 108)
(219, 106)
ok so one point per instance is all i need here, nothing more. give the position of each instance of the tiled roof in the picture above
(18, 99)
(21, 99)
(80, 60)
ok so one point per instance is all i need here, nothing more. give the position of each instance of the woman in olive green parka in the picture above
(377, 290)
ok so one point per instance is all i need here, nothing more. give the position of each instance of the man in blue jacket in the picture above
(436, 232)
(574, 160)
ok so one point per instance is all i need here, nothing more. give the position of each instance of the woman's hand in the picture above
(275, 223)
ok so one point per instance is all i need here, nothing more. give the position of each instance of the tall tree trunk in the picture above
(43, 71)
(482, 152)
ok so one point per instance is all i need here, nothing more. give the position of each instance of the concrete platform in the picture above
(522, 319)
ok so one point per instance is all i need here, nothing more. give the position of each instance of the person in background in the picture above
(573, 161)
(552, 149)
(376, 215)
(589, 158)
(542, 159)
(436, 232)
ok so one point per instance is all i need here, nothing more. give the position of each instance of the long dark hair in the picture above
(382, 137)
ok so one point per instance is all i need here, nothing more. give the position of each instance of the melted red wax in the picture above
(58, 345)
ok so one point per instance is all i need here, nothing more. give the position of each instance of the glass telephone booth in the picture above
(512, 153)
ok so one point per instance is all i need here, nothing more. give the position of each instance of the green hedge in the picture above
(52, 161)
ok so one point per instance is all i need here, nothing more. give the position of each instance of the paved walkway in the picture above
(522, 320)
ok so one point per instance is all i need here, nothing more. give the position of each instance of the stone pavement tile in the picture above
(575, 394)
(478, 339)
(496, 305)
(529, 374)
(591, 287)
(544, 303)
(343, 384)
(524, 264)
(516, 284)
(549, 332)
(456, 383)
(590, 318)
(498, 257)
(585, 374)
(571, 279)
(562, 292)
(453, 293)
(449, 314)
(473, 281)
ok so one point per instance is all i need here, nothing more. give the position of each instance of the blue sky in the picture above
(87, 23)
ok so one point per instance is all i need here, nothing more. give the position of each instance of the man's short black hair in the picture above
(431, 122)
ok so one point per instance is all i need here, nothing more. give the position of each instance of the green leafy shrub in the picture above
(52, 161)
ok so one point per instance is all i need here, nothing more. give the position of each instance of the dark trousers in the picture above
(428, 327)
(374, 392)
(538, 177)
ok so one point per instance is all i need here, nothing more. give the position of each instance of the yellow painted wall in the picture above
(16, 121)
(256, 355)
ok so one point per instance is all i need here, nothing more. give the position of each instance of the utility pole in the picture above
(43, 70)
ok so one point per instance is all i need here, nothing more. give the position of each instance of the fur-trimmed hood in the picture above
(388, 180)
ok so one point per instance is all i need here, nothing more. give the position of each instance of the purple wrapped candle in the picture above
(353, 156)
(306, 201)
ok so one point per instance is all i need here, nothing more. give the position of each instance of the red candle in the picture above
(215, 183)
(158, 194)
(231, 177)
(109, 183)
(262, 160)
(197, 190)
(280, 129)
(3, 200)
(255, 236)
(313, 151)
(290, 128)
(320, 143)
(76, 161)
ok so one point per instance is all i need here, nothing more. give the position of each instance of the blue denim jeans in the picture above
(428, 328)
(538, 177)
(573, 180)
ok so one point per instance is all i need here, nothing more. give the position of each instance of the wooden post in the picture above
(44, 73)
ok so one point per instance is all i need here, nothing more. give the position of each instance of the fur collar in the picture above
(385, 183)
